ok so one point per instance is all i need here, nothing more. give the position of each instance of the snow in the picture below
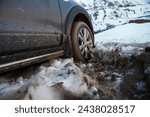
(147, 70)
(140, 86)
(63, 71)
(61, 78)
(129, 33)
(88, 2)
(105, 16)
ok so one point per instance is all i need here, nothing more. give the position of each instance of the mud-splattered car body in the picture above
(36, 30)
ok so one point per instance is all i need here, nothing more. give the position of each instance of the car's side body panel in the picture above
(30, 16)
(28, 26)
(66, 7)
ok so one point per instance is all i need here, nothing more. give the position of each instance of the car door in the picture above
(29, 25)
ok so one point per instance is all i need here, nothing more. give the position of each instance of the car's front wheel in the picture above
(82, 41)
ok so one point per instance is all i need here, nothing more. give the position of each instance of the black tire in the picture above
(82, 42)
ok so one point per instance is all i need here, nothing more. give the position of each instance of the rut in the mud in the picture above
(122, 77)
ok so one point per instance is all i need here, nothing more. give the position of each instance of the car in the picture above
(33, 31)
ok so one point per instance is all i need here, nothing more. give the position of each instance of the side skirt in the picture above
(29, 61)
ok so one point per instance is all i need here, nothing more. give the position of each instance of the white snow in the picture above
(129, 33)
(61, 78)
(105, 16)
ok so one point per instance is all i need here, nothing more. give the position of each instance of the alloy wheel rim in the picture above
(85, 42)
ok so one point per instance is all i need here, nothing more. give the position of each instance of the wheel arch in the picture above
(77, 13)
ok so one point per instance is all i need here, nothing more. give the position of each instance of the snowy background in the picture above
(107, 14)
(116, 72)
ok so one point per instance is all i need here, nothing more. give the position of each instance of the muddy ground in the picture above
(125, 77)
(115, 74)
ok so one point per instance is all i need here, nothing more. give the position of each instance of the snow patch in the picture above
(61, 78)
(140, 86)
(127, 34)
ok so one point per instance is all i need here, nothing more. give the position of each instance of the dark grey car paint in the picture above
(34, 27)
(22, 20)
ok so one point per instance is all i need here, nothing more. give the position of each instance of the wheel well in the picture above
(71, 19)
(82, 17)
